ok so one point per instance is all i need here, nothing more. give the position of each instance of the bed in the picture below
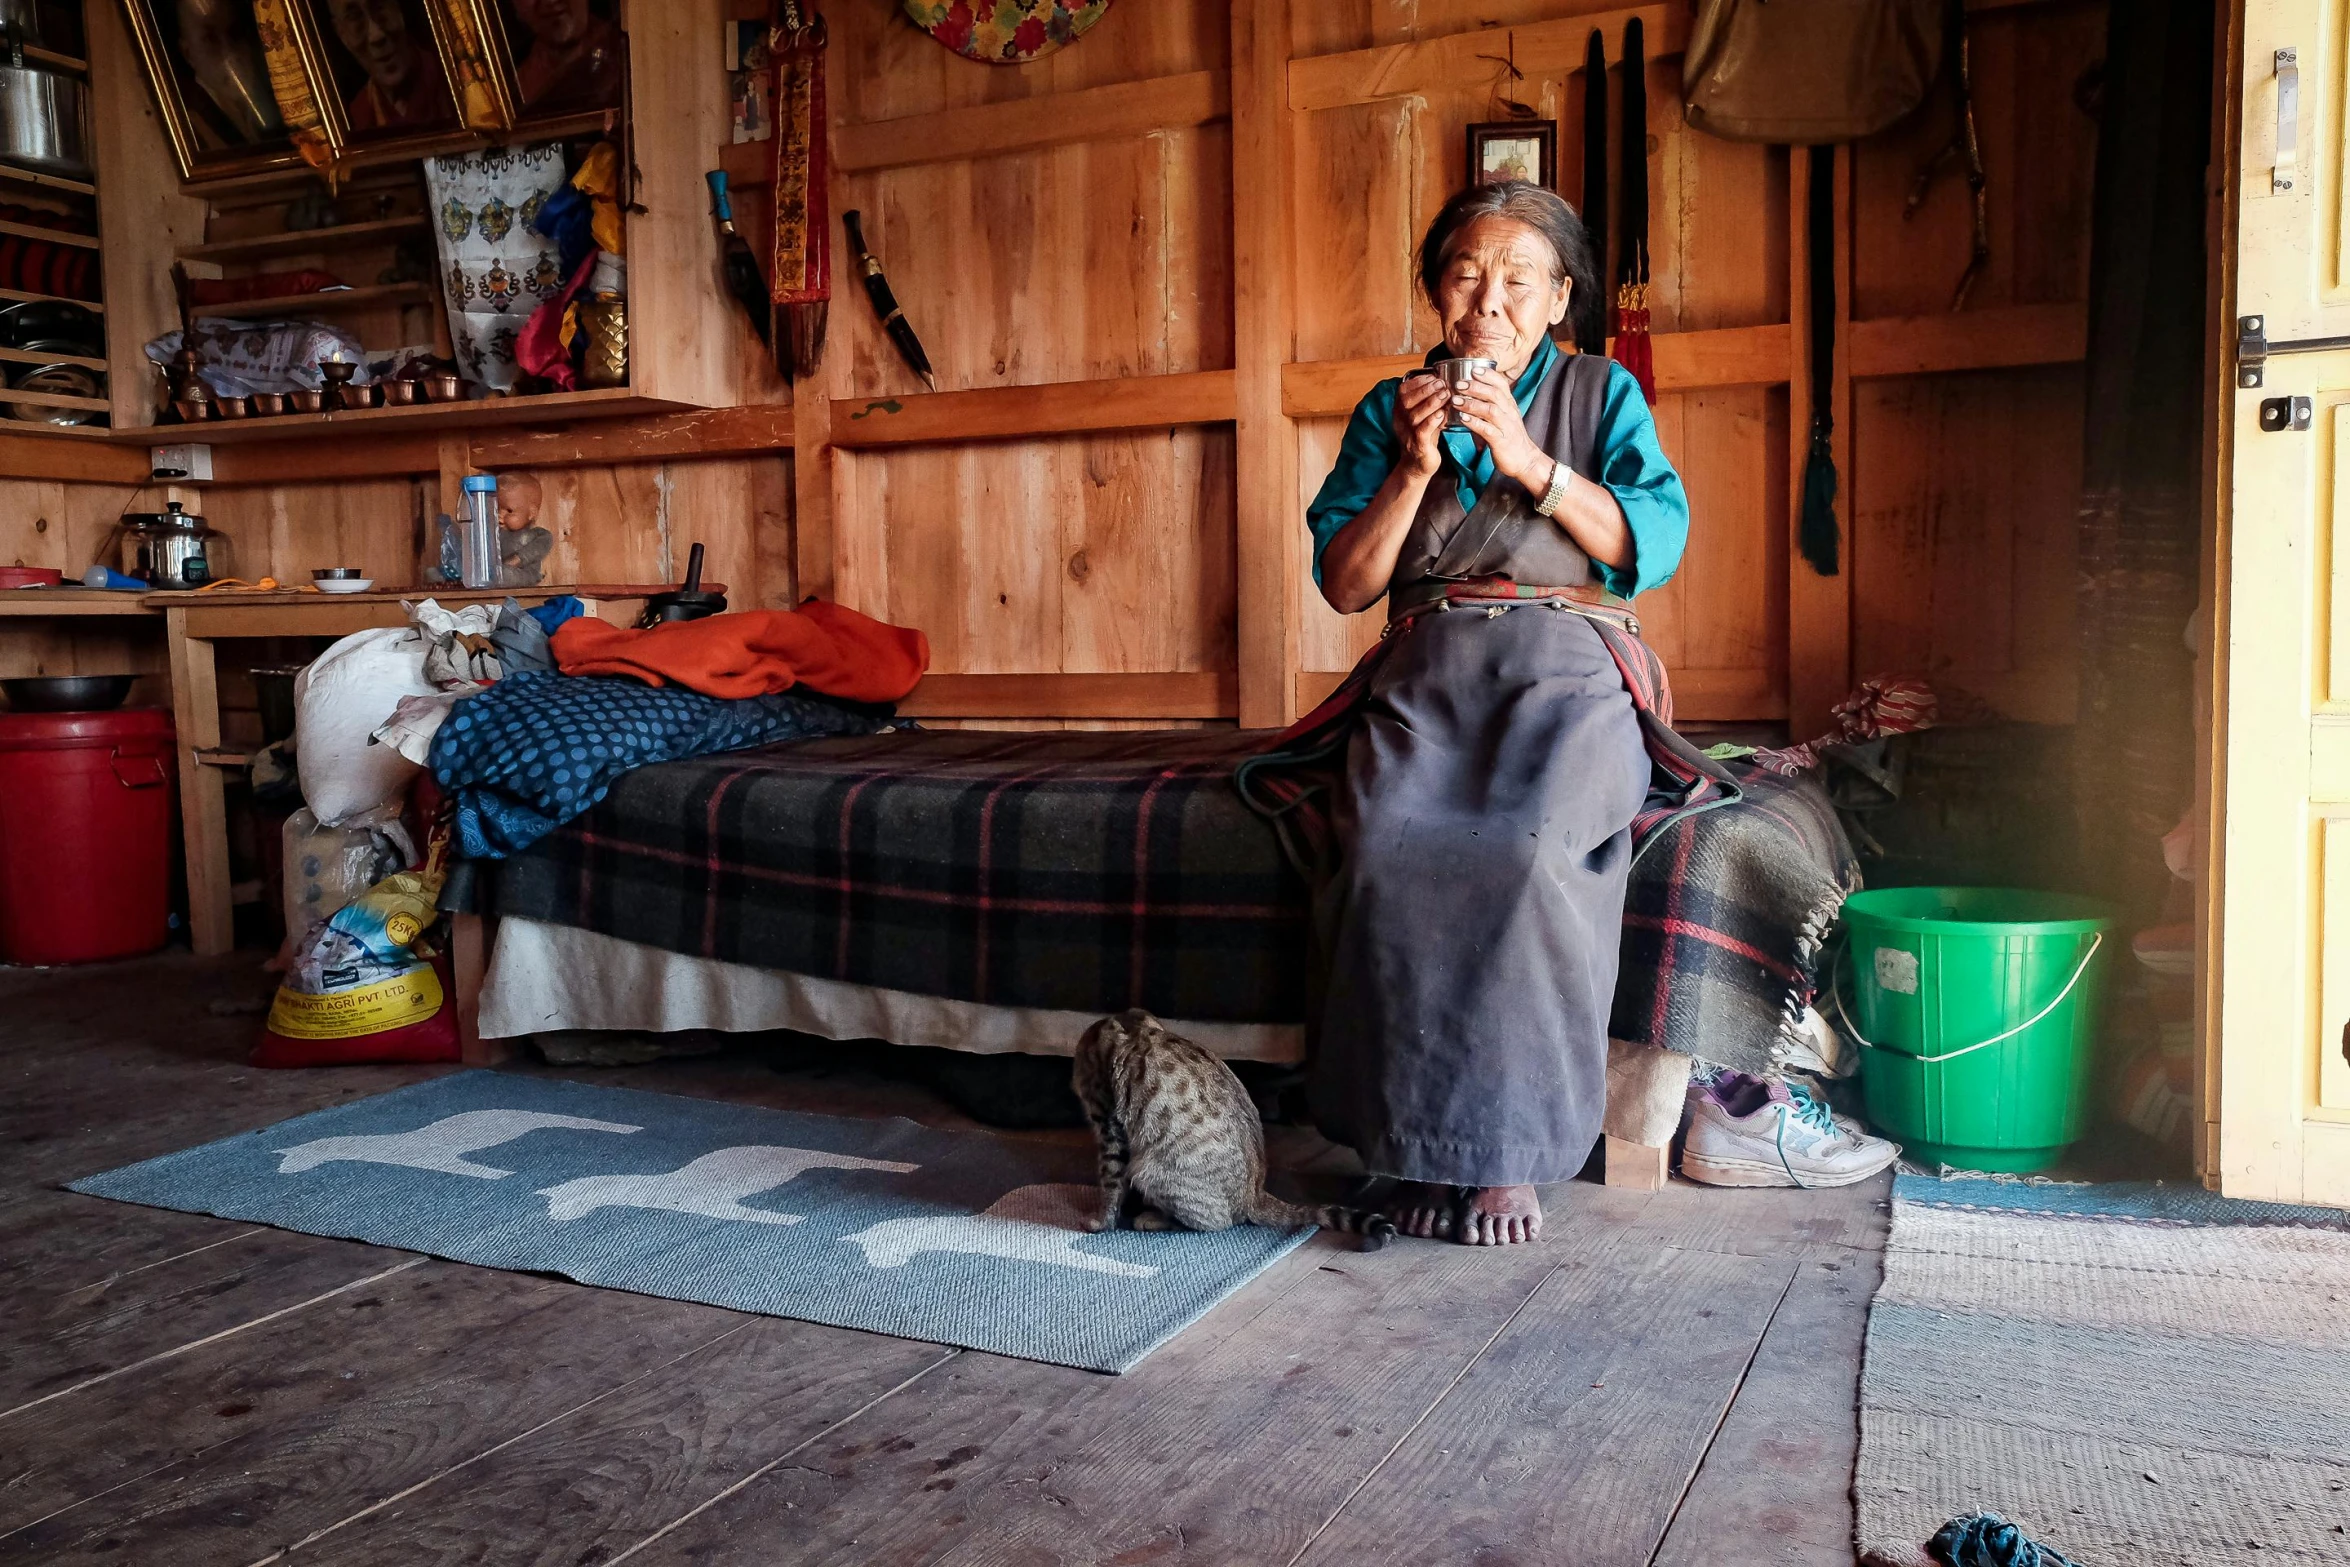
(995, 891)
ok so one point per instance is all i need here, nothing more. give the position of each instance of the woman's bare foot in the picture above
(1498, 1216)
(1422, 1209)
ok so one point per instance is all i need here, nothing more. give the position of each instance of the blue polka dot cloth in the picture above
(536, 749)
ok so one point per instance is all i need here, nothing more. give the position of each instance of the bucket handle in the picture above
(148, 770)
(1836, 993)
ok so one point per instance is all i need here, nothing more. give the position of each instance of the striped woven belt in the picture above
(1498, 593)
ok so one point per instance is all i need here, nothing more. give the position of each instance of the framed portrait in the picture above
(381, 78)
(1514, 150)
(569, 56)
(211, 78)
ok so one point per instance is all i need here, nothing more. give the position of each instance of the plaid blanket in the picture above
(1093, 872)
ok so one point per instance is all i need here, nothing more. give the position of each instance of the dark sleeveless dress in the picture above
(1484, 831)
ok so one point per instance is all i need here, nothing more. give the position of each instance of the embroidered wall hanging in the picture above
(1005, 32)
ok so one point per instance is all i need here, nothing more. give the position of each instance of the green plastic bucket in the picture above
(1976, 1011)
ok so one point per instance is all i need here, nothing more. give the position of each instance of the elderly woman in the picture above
(1484, 823)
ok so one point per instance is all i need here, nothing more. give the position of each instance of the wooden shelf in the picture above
(18, 176)
(9, 394)
(331, 301)
(603, 403)
(20, 297)
(298, 176)
(56, 236)
(74, 602)
(338, 237)
(26, 356)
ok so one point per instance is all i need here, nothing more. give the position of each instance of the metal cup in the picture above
(1457, 376)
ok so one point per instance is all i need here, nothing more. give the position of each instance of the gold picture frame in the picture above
(382, 78)
(565, 58)
(210, 76)
(252, 86)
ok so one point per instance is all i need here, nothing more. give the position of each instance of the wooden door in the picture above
(2282, 723)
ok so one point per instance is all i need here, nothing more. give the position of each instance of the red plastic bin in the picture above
(85, 835)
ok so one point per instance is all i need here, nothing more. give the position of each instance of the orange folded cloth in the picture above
(754, 652)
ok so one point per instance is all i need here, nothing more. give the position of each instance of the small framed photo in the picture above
(1514, 150)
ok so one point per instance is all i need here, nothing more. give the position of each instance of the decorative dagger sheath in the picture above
(741, 266)
(885, 303)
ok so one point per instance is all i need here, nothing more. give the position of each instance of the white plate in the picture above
(346, 585)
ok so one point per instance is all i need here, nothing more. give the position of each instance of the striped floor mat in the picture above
(2135, 1374)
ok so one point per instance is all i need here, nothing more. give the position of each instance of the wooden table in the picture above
(194, 621)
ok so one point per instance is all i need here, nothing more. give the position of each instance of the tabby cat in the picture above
(1179, 1132)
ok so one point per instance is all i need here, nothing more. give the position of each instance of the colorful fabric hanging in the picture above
(1633, 351)
(1005, 32)
(1590, 315)
(799, 277)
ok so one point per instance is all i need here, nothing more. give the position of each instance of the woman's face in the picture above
(1500, 293)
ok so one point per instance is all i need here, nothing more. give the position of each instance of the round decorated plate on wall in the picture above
(1005, 32)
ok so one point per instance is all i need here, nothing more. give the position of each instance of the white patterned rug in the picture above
(951, 1237)
(2134, 1374)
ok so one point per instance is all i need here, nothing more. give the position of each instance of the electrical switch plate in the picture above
(190, 462)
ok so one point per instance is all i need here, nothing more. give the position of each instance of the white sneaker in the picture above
(1786, 1137)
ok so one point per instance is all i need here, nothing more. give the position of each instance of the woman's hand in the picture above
(1489, 407)
(1420, 411)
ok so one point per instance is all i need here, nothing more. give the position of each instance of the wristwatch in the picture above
(1555, 496)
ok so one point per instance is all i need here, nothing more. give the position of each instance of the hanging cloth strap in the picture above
(800, 274)
(1591, 314)
(1632, 346)
(1816, 532)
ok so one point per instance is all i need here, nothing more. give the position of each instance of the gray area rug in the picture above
(2134, 1375)
(951, 1237)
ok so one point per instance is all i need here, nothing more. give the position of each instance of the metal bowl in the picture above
(67, 693)
(339, 573)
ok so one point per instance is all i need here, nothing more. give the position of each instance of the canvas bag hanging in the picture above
(1809, 71)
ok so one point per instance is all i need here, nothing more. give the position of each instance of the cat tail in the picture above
(1374, 1227)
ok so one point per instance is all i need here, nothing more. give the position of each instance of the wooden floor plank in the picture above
(1572, 1438)
(586, 1488)
(55, 1341)
(235, 1452)
(1230, 1445)
(1778, 1477)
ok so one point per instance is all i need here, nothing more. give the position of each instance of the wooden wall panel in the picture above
(884, 68)
(2039, 159)
(289, 531)
(1963, 498)
(1095, 554)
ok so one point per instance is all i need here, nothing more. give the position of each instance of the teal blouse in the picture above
(1631, 464)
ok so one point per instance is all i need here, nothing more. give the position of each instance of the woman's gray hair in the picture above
(1543, 211)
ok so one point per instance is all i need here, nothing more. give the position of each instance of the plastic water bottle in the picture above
(477, 533)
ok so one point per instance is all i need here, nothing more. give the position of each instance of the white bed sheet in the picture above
(545, 977)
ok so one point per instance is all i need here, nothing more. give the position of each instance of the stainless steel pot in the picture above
(173, 549)
(44, 120)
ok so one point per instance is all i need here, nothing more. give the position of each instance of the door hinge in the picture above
(2251, 349)
(2280, 414)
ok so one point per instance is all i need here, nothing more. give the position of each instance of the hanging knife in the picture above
(885, 303)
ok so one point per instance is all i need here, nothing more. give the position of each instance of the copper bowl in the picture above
(306, 401)
(231, 407)
(399, 394)
(195, 410)
(444, 387)
(267, 405)
(357, 396)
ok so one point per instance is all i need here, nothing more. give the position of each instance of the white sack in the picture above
(339, 702)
